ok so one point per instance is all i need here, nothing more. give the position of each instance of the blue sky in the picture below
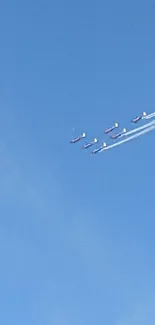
(76, 232)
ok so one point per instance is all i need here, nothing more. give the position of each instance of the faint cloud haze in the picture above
(143, 315)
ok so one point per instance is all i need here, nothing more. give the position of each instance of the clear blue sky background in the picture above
(77, 233)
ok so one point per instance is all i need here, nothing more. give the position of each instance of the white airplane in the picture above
(83, 135)
(112, 128)
(138, 118)
(117, 135)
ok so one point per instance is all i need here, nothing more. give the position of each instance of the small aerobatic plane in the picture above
(138, 118)
(83, 135)
(90, 144)
(111, 129)
(99, 149)
(118, 135)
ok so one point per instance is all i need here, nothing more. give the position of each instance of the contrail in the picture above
(147, 117)
(149, 129)
(138, 129)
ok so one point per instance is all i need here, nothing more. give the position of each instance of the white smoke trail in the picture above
(138, 129)
(147, 117)
(149, 129)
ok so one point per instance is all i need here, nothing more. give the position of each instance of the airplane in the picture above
(138, 118)
(102, 147)
(111, 129)
(83, 135)
(118, 135)
(87, 145)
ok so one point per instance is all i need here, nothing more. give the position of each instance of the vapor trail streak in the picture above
(147, 117)
(149, 129)
(138, 129)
